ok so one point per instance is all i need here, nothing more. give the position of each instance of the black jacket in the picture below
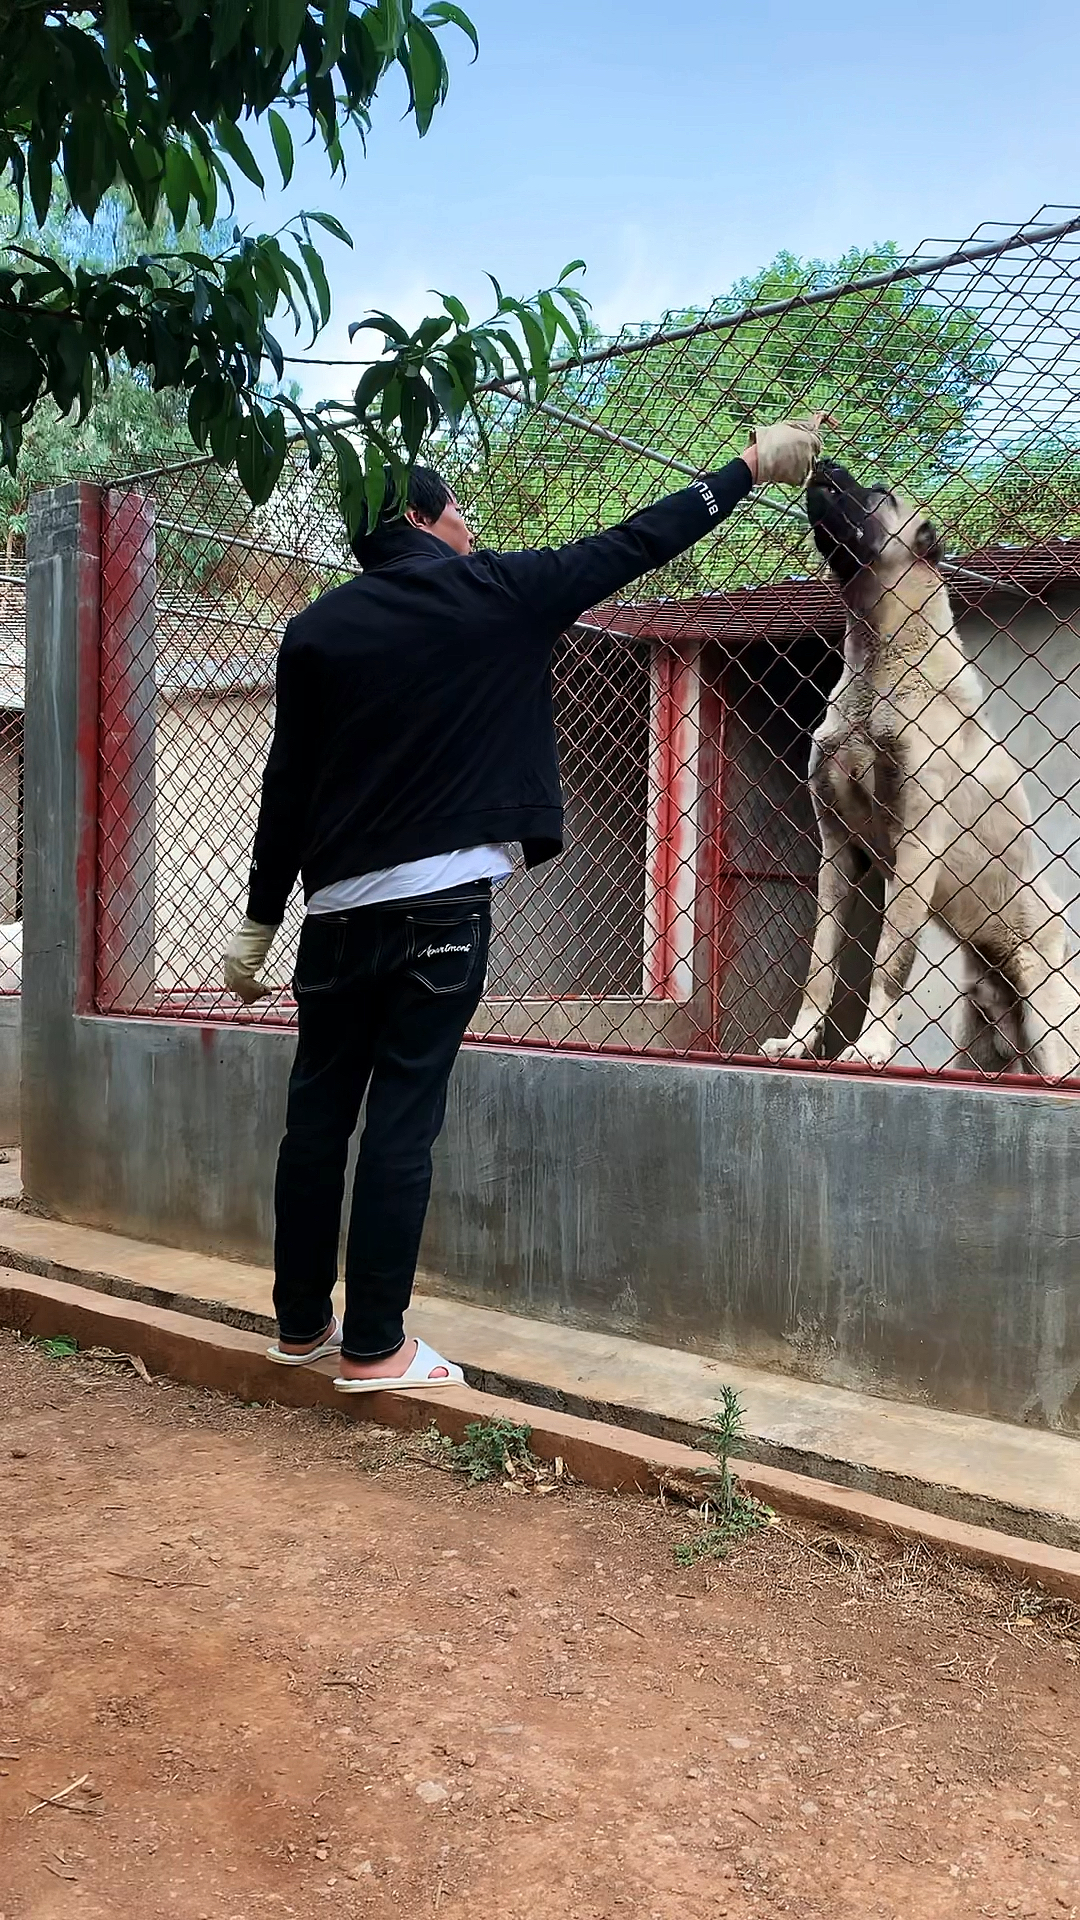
(414, 704)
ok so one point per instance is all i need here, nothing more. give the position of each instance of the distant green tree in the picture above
(1027, 491)
(902, 377)
(132, 426)
(159, 97)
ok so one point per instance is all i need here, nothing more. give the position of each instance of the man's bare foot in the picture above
(390, 1369)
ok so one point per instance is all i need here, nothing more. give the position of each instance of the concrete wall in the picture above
(10, 1067)
(906, 1238)
(912, 1240)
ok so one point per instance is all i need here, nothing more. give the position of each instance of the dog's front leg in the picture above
(909, 896)
(838, 878)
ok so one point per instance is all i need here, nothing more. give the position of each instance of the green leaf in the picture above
(374, 482)
(454, 308)
(427, 73)
(204, 186)
(232, 142)
(205, 399)
(229, 18)
(260, 454)
(11, 433)
(300, 283)
(372, 382)
(12, 156)
(116, 31)
(308, 428)
(317, 275)
(335, 14)
(291, 16)
(40, 170)
(280, 271)
(331, 226)
(551, 318)
(449, 391)
(386, 24)
(21, 372)
(576, 266)
(200, 300)
(462, 354)
(513, 348)
(168, 352)
(352, 489)
(418, 412)
(225, 426)
(283, 145)
(432, 330)
(71, 358)
(538, 350)
(273, 351)
(445, 13)
(385, 324)
(180, 183)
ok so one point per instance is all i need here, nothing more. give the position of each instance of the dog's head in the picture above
(862, 531)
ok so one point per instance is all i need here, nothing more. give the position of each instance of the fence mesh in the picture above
(905, 893)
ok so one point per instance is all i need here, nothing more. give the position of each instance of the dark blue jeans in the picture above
(384, 995)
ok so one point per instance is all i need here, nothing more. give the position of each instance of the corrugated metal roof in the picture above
(210, 647)
(794, 607)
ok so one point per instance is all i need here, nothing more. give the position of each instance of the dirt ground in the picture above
(305, 1671)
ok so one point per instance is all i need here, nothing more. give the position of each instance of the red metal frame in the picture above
(280, 1021)
(88, 656)
(128, 586)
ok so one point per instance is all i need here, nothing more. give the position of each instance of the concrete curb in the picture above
(205, 1353)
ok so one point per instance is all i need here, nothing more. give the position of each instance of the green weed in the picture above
(58, 1346)
(738, 1514)
(490, 1450)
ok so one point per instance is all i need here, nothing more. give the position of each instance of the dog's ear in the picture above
(929, 545)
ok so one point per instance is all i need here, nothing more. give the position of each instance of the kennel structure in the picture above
(617, 1154)
(678, 919)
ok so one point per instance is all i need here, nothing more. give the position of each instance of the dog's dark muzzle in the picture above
(832, 492)
(839, 511)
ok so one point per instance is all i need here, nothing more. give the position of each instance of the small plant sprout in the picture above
(738, 1514)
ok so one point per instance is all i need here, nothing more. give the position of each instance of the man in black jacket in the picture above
(414, 742)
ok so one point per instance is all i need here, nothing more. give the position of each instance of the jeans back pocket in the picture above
(444, 955)
(321, 952)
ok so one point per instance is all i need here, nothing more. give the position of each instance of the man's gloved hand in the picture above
(245, 957)
(787, 451)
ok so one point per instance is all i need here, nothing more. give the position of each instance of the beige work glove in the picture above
(245, 957)
(787, 451)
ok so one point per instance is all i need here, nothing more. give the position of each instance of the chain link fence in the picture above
(691, 911)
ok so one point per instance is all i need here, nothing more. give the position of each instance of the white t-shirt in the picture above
(413, 878)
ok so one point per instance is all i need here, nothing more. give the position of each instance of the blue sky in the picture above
(676, 148)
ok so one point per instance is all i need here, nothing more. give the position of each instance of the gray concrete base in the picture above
(909, 1240)
(986, 1473)
(10, 1067)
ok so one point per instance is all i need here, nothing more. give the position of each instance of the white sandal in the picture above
(330, 1347)
(417, 1374)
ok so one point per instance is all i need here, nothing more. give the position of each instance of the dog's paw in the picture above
(874, 1049)
(789, 1046)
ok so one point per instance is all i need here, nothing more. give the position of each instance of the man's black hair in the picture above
(427, 494)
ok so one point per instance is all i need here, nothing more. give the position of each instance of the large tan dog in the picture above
(905, 774)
